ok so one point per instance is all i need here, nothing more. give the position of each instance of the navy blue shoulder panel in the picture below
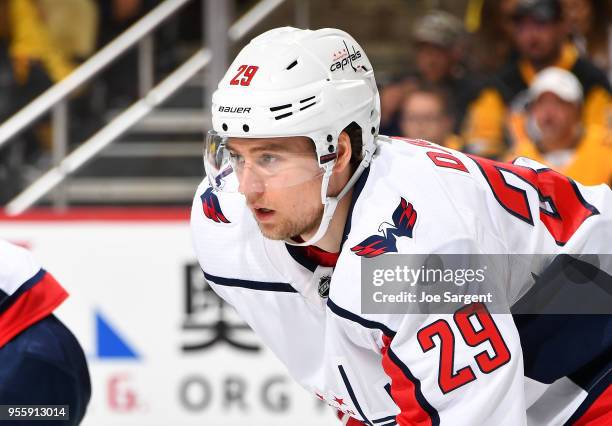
(574, 342)
(580, 343)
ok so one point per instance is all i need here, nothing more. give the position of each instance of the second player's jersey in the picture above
(384, 369)
(28, 293)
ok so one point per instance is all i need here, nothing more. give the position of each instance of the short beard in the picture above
(304, 223)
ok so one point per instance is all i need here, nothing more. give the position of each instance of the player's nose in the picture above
(250, 182)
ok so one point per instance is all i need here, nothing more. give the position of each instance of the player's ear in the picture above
(343, 160)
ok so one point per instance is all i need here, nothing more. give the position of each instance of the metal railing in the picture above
(216, 21)
(108, 134)
(90, 68)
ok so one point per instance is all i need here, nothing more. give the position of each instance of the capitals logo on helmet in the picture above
(293, 82)
(404, 219)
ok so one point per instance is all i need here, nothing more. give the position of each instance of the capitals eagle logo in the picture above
(404, 218)
(211, 206)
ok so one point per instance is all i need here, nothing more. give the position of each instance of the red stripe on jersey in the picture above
(600, 412)
(350, 420)
(403, 391)
(33, 305)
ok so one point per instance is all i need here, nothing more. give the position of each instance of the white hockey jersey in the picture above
(415, 369)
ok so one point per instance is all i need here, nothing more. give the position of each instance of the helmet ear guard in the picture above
(291, 82)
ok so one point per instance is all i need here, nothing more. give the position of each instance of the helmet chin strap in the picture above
(331, 203)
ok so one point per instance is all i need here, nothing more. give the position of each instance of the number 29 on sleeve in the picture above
(487, 331)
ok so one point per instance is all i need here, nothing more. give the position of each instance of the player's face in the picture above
(281, 181)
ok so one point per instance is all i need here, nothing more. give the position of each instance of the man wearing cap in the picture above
(551, 131)
(435, 36)
(540, 36)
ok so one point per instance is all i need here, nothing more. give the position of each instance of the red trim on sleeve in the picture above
(600, 412)
(32, 306)
(403, 392)
(350, 421)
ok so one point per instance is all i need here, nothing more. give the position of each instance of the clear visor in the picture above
(257, 165)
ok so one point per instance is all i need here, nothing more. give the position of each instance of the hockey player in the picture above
(298, 185)
(41, 362)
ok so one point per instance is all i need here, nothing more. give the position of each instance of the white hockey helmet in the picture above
(291, 82)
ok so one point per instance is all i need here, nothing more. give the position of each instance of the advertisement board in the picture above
(162, 348)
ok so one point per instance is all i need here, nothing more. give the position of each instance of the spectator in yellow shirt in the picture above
(42, 41)
(551, 130)
(54, 34)
(540, 35)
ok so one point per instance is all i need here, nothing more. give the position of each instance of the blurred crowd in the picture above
(530, 79)
(41, 42)
(510, 78)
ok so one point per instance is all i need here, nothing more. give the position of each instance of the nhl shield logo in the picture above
(324, 283)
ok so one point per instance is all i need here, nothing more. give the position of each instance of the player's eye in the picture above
(236, 158)
(268, 161)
